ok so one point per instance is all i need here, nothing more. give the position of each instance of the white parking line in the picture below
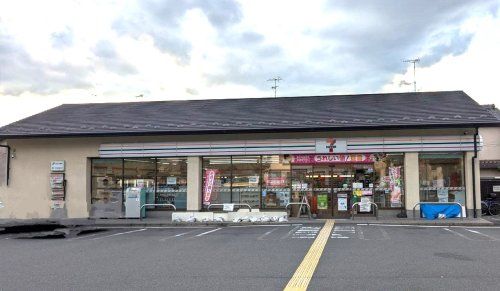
(361, 234)
(457, 233)
(290, 232)
(411, 225)
(477, 232)
(120, 233)
(177, 235)
(384, 233)
(84, 236)
(266, 234)
(263, 225)
(207, 232)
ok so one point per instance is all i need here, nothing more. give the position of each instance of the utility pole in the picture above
(276, 81)
(413, 61)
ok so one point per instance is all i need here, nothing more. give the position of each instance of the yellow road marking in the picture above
(303, 275)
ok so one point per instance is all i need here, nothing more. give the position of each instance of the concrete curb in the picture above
(168, 223)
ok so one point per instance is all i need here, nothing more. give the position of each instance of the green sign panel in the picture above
(323, 201)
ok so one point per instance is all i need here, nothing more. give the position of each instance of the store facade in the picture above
(395, 166)
(332, 173)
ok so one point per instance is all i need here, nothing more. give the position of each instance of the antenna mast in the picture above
(413, 61)
(276, 81)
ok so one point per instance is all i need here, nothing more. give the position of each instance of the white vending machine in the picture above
(134, 199)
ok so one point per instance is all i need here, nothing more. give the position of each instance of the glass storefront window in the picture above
(107, 187)
(140, 173)
(302, 185)
(171, 182)
(441, 177)
(216, 180)
(163, 180)
(275, 181)
(245, 182)
(389, 181)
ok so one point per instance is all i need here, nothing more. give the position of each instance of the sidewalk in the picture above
(164, 222)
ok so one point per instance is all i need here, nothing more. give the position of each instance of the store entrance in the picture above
(332, 189)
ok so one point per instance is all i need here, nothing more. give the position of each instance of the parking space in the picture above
(262, 257)
(388, 257)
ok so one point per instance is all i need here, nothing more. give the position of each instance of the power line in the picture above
(413, 61)
(276, 81)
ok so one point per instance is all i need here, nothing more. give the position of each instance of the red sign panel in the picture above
(334, 159)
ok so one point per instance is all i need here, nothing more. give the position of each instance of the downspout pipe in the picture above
(474, 158)
(8, 162)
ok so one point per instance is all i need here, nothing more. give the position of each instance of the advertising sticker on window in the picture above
(342, 202)
(322, 201)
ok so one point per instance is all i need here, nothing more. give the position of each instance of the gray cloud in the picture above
(62, 39)
(380, 34)
(365, 51)
(452, 43)
(20, 73)
(161, 20)
(192, 91)
(107, 56)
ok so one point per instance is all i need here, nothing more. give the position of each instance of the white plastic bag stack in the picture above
(283, 219)
(254, 219)
(191, 219)
(265, 218)
(219, 219)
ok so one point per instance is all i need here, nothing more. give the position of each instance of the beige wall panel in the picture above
(491, 143)
(468, 184)
(28, 195)
(194, 184)
(412, 187)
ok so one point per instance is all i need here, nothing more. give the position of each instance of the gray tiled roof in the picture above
(341, 112)
(493, 110)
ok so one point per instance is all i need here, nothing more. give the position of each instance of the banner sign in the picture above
(333, 159)
(208, 185)
(395, 186)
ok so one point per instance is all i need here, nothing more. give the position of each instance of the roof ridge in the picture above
(268, 98)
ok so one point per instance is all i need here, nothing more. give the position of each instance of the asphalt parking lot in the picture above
(371, 257)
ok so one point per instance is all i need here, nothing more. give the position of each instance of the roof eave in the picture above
(273, 130)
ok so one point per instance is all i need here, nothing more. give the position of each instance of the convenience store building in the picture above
(79, 160)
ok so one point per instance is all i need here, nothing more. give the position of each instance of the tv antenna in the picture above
(413, 61)
(276, 81)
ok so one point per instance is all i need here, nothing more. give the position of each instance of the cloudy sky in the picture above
(54, 52)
